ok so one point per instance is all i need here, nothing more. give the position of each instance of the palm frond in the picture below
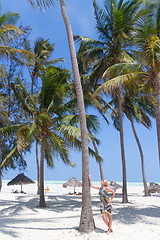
(8, 156)
(9, 18)
(88, 43)
(60, 147)
(35, 128)
(91, 120)
(114, 83)
(24, 98)
(70, 132)
(8, 32)
(49, 154)
(103, 23)
(22, 56)
(53, 61)
(77, 145)
(93, 123)
(121, 69)
(42, 3)
(55, 87)
(23, 138)
(125, 58)
(10, 130)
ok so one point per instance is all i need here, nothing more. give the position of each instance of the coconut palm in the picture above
(42, 51)
(7, 29)
(7, 144)
(50, 124)
(45, 124)
(9, 32)
(137, 106)
(87, 221)
(88, 86)
(147, 39)
(115, 25)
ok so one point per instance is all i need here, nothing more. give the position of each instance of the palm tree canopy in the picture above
(7, 28)
(49, 110)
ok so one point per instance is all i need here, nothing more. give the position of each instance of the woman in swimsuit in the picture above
(105, 202)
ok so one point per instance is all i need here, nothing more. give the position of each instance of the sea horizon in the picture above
(93, 182)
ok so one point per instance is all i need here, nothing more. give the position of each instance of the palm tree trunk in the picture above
(42, 200)
(9, 77)
(157, 111)
(37, 162)
(124, 191)
(32, 83)
(146, 193)
(86, 221)
(99, 162)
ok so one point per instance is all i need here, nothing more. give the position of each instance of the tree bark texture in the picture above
(157, 111)
(37, 162)
(86, 221)
(42, 199)
(33, 77)
(146, 193)
(124, 190)
(9, 77)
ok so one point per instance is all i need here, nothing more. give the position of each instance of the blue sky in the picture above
(50, 25)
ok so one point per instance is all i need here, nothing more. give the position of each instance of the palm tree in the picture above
(88, 86)
(8, 149)
(147, 39)
(7, 144)
(87, 221)
(136, 106)
(7, 29)
(45, 124)
(8, 32)
(115, 24)
(50, 123)
(139, 106)
(42, 51)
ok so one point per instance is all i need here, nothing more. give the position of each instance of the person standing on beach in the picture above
(105, 202)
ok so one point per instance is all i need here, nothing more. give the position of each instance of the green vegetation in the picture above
(49, 107)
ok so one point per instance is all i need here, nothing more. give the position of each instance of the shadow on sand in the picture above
(11, 213)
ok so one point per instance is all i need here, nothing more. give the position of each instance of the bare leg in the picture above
(110, 223)
(105, 219)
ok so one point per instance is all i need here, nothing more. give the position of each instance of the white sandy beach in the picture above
(21, 218)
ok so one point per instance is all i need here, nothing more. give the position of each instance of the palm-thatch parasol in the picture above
(154, 187)
(73, 182)
(20, 179)
(114, 186)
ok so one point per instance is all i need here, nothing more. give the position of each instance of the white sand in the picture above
(21, 218)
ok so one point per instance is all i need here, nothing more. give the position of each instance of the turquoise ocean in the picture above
(56, 187)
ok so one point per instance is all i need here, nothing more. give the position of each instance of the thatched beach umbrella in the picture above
(20, 179)
(114, 186)
(73, 182)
